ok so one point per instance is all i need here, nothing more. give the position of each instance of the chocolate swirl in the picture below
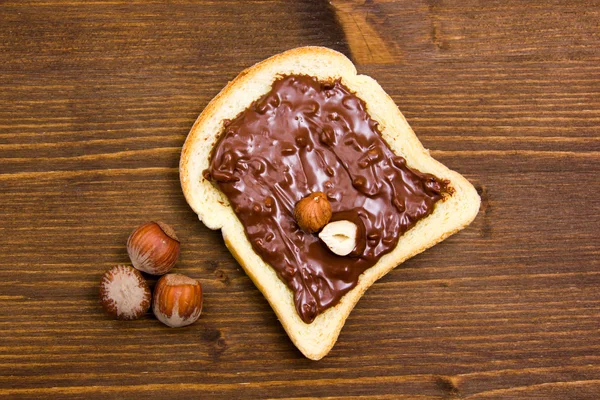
(306, 136)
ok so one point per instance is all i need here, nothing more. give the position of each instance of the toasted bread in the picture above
(316, 339)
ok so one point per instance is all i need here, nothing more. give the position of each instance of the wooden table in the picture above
(97, 99)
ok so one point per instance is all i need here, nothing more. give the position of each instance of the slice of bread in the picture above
(449, 216)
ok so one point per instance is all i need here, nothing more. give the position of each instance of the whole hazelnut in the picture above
(124, 293)
(177, 300)
(313, 212)
(153, 248)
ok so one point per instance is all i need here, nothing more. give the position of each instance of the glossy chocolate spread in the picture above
(306, 136)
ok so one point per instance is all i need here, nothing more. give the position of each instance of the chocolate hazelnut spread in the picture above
(308, 136)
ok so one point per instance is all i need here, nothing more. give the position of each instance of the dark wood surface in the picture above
(97, 99)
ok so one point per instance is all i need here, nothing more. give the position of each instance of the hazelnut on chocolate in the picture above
(313, 212)
(340, 237)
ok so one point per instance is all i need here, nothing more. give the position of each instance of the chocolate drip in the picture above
(306, 136)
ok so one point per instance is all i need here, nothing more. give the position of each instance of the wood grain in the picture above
(97, 99)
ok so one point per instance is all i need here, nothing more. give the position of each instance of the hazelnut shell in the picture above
(124, 293)
(177, 300)
(153, 248)
(313, 212)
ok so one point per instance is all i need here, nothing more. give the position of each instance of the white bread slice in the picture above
(449, 216)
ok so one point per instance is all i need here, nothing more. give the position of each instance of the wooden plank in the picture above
(98, 98)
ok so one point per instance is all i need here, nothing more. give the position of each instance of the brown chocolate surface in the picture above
(306, 136)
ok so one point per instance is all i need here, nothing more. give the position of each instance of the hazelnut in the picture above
(313, 212)
(177, 300)
(153, 248)
(340, 237)
(124, 293)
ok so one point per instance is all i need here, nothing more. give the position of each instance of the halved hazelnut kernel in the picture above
(340, 237)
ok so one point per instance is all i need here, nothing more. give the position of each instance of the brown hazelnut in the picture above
(177, 300)
(153, 248)
(124, 293)
(313, 212)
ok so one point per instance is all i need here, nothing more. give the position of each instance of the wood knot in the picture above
(485, 209)
(211, 334)
(448, 384)
(221, 344)
(213, 265)
(218, 348)
(222, 276)
(483, 193)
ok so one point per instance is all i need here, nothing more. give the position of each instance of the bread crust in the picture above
(315, 340)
